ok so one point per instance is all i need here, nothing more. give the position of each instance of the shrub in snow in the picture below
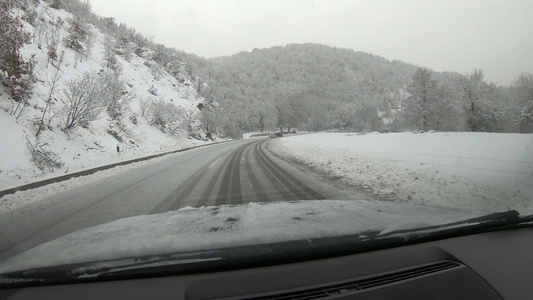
(43, 159)
(152, 90)
(165, 116)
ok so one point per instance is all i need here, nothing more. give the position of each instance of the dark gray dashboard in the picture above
(493, 265)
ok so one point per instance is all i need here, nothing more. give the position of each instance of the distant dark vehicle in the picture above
(279, 134)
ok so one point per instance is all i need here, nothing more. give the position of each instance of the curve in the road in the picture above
(296, 186)
(226, 184)
(225, 175)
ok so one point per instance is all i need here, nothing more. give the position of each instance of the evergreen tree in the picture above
(78, 33)
(15, 72)
(110, 60)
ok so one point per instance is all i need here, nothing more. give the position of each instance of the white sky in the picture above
(445, 35)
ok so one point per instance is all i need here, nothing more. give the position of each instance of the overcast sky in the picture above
(444, 35)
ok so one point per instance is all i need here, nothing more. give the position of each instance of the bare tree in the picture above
(41, 30)
(156, 70)
(114, 93)
(173, 117)
(83, 100)
(165, 116)
(53, 82)
(191, 120)
(261, 117)
(210, 121)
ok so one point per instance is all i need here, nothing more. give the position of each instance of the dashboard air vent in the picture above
(366, 283)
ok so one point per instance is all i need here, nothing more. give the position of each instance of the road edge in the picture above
(45, 182)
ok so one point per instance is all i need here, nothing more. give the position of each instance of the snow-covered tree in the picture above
(89, 43)
(211, 121)
(262, 115)
(41, 31)
(115, 96)
(78, 33)
(53, 36)
(448, 116)
(523, 90)
(57, 4)
(367, 118)
(110, 60)
(15, 72)
(320, 112)
(81, 9)
(163, 115)
(482, 110)
(421, 105)
(291, 111)
(128, 50)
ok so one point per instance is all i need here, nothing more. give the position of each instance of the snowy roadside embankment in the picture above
(485, 171)
(30, 151)
(79, 152)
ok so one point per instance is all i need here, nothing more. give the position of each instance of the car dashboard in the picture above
(490, 265)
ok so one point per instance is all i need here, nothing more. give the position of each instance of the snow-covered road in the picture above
(231, 173)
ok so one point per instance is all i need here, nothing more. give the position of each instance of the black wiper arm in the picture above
(487, 222)
(87, 271)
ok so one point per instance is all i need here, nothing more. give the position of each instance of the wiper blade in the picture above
(90, 270)
(487, 222)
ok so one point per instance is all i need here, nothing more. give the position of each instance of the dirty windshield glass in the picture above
(157, 129)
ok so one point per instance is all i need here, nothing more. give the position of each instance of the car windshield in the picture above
(145, 133)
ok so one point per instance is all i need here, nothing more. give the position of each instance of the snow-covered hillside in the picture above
(99, 141)
(482, 171)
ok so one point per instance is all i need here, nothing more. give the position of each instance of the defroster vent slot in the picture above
(361, 284)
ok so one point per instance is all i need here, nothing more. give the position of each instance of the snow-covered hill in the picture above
(97, 142)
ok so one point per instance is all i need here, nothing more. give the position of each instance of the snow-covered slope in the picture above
(483, 171)
(95, 144)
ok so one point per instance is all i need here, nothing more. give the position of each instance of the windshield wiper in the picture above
(484, 223)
